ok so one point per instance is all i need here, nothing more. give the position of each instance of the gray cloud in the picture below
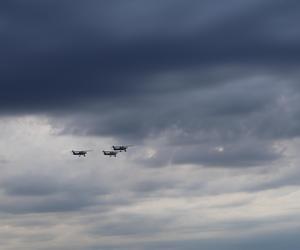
(131, 225)
(278, 241)
(239, 116)
(39, 193)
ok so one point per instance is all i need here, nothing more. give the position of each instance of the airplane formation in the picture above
(115, 150)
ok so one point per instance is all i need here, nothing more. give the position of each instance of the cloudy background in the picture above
(207, 91)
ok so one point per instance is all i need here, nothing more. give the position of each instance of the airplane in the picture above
(121, 148)
(80, 152)
(110, 153)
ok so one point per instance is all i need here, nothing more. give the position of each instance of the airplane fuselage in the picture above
(79, 153)
(110, 153)
(120, 148)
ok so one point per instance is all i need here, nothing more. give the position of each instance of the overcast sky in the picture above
(208, 92)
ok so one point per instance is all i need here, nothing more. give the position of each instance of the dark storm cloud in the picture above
(59, 52)
(138, 69)
(189, 108)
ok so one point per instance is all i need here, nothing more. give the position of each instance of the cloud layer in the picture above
(206, 91)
